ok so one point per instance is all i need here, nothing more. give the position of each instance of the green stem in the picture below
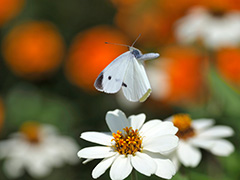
(134, 175)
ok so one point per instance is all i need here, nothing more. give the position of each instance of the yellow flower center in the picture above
(31, 131)
(127, 142)
(183, 122)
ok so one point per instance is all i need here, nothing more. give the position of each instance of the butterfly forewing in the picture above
(110, 80)
(136, 86)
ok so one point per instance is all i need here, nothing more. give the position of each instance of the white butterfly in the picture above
(127, 71)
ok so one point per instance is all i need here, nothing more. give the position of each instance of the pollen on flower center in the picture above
(127, 142)
(31, 131)
(183, 123)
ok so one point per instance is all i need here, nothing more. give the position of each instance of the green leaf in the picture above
(225, 97)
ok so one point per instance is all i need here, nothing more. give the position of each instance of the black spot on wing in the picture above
(98, 83)
(124, 85)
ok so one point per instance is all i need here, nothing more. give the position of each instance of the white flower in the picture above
(199, 134)
(37, 149)
(214, 30)
(132, 144)
(159, 78)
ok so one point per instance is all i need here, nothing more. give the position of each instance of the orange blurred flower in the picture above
(177, 7)
(89, 55)
(153, 19)
(144, 23)
(33, 49)
(186, 73)
(9, 9)
(228, 64)
(183, 69)
(220, 5)
(149, 21)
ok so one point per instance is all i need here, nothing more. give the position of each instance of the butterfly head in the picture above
(136, 52)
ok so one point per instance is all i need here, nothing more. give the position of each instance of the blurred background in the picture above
(52, 52)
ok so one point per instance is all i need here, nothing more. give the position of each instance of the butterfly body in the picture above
(127, 72)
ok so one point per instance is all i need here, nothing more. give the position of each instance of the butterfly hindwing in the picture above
(135, 85)
(111, 78)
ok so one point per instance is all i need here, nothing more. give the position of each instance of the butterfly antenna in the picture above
(117, 44)
(135, 40)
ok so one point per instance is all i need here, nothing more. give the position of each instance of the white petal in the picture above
(63, 146)
(102, 167)
(218, 147)
(162, 144)
(201, 124)
(147, 127)
(217, 132)
(144, 163)
(121, 168)
(96, 137)
(48, 152)
(116, 120)
(175, 160)
(188, 155)
(87, 160)
(38, 168)
(200, 142)
(137, 120)
(165, 168)
(13, 168)
(160, 129)
(222, 147)
(5, 147)
(96, 152)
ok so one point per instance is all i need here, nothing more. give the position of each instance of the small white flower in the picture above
(214, 30)
(199, 134)
(132, 144)
(37, 149)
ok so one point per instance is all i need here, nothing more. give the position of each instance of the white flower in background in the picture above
(214, 29)
(197, 134)
(132, 144)
(159, 78)
(36, 149)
